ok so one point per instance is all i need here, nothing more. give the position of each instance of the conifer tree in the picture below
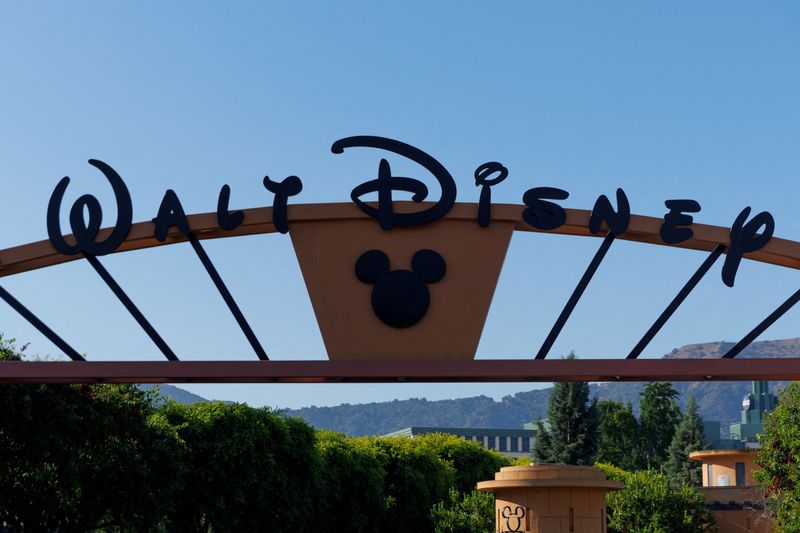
(659, 417)
(570, 436)
(688, 438)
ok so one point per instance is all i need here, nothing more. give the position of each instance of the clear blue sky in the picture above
(667, 100)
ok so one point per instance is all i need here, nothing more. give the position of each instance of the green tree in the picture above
(619, 442)
(688, 438)
(416, 479)
(401, 480)
(353, 496)
(250, 469)
(470, 461)
(650, 504)
(83, 457)
(659, 417)
(779, 459)
(472, 512)
(570, 436)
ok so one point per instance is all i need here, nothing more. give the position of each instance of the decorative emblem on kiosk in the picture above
(513, 520)
(400, 298)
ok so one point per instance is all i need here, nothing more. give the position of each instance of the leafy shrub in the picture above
(352, 484)
(81, 457)
(247, 469)
(472, 512)
(416, 480)
(470, 462)
(650, 504)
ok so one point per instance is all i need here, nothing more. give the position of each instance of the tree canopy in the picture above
(650, 504)
(472, 512)
(78, 457)
(351, 468)
(779, 460)
(619, 442)
(245, 469)
(116, 458)
(658, 419)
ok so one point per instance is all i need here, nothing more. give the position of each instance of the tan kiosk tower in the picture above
(550, 499)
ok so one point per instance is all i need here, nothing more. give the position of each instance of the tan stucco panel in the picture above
(327, 252)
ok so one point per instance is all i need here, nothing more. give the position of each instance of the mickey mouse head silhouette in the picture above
(400, 298)
(517, 515)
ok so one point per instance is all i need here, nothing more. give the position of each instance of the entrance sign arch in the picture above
(413, 278)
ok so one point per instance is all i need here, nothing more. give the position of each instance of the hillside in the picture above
(174, 393)
(779, 348)
(718, 400)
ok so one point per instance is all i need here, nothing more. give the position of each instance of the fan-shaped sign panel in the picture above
(400, 289)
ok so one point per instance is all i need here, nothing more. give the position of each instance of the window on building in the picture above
(740, 474)
(502, 443)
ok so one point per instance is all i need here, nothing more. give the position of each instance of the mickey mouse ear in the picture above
(429, 265)
(371, 266)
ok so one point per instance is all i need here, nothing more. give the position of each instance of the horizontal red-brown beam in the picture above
(484, 370)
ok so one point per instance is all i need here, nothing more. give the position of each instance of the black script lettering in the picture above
(744, 239)
(385, 183)
(227, 220)
(617, 220)
(85, 234)
(282, 190)
(170, 213)
(542, 214)
(670, 232)
(482, 180)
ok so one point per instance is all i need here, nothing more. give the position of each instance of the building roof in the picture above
(706, 455)
(419, 430)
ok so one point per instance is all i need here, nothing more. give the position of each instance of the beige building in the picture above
(731, 492)
(511, 443)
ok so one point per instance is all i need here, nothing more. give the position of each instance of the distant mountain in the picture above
(174, 393)
(779, 348)
(717, 400)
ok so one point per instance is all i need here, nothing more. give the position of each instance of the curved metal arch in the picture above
(644, 229)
